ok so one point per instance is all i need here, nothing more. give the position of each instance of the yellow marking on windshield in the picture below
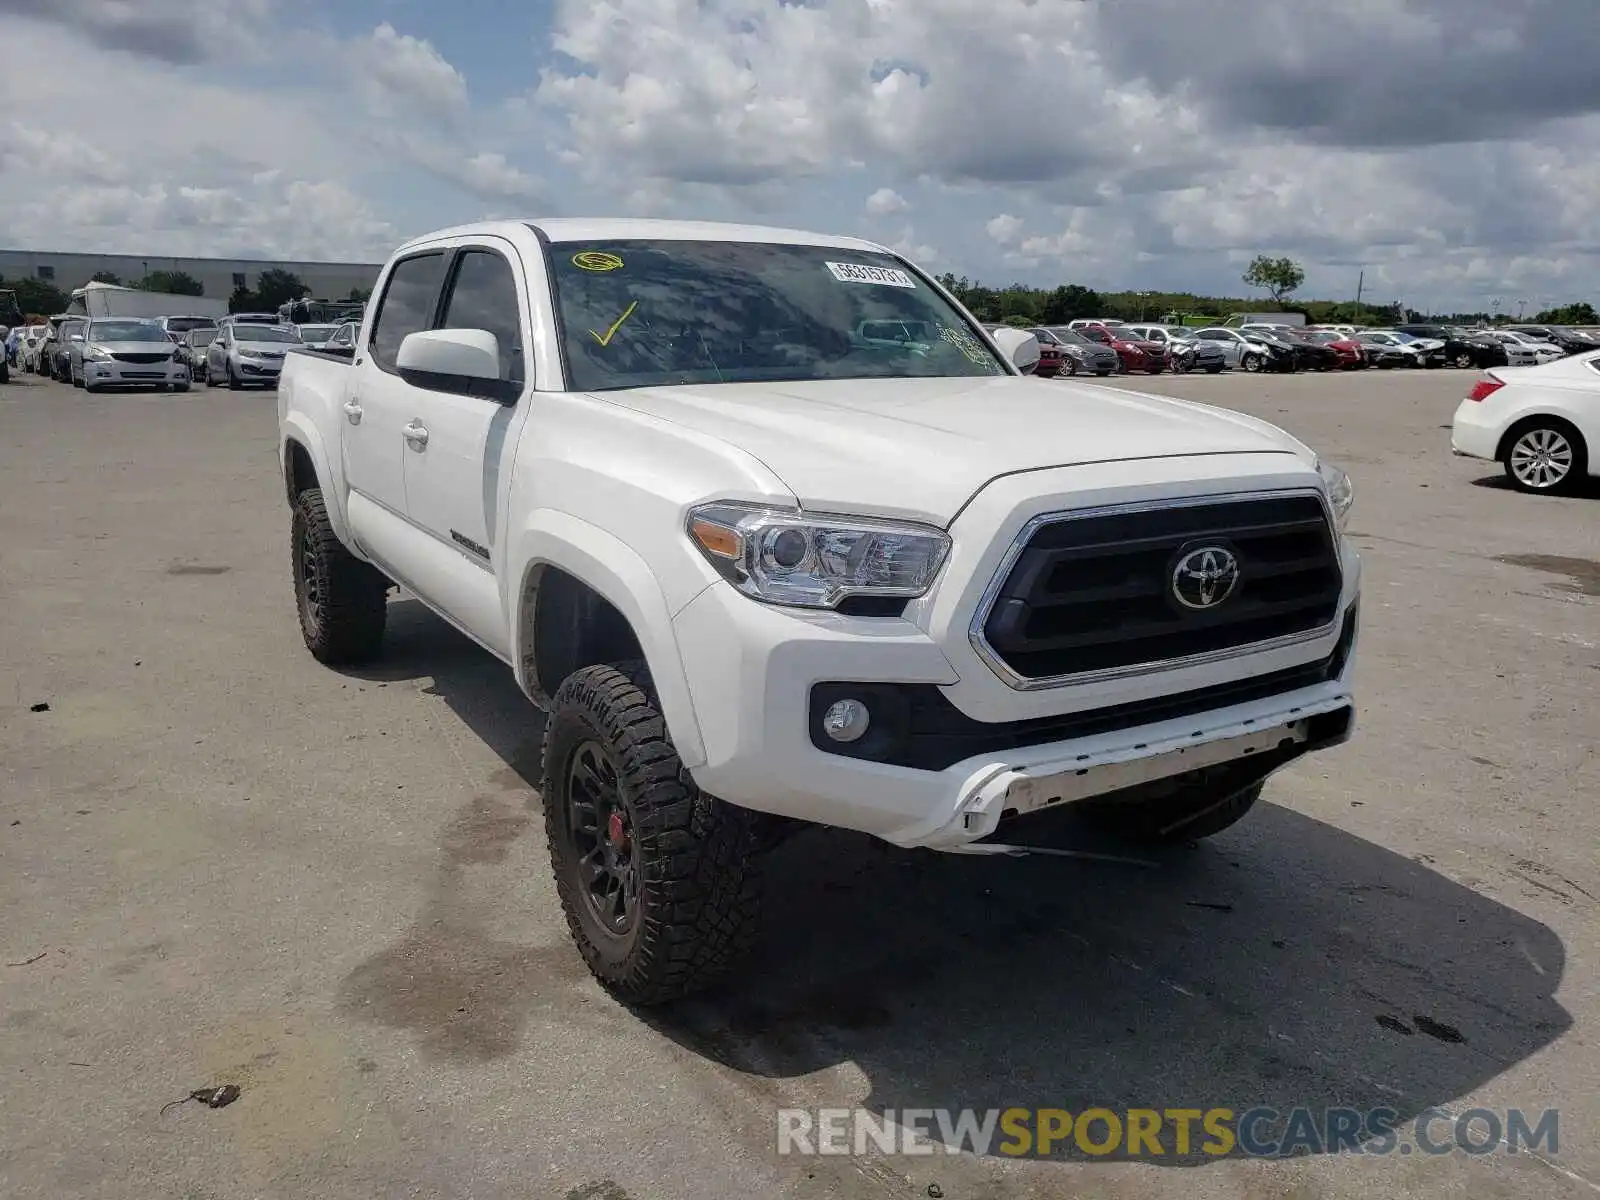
(610, 333)
(596, 260)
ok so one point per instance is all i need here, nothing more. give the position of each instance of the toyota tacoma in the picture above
(761, 570)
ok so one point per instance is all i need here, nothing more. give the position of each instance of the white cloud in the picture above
(1004, 228)
(399, 73)
(885, 202)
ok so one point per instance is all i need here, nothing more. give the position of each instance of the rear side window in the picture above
(483, 295)
(407, 305)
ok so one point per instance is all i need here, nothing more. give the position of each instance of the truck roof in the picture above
(604, 229)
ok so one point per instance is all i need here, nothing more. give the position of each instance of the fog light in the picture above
(846, 720)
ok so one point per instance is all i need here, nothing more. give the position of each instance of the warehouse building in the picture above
(219, 276)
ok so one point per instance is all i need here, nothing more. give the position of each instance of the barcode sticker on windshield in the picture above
(857, 273)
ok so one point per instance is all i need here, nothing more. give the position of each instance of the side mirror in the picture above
(77, 337)
(466, 361)
(1020, 346)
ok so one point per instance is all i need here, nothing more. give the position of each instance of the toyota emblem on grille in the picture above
(1205, 576)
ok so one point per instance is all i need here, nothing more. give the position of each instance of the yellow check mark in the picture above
(610, 333)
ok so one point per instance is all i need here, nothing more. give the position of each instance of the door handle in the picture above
(417, 434)
(352, 409)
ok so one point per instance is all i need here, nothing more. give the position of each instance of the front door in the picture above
(460, 448)
(377, 407)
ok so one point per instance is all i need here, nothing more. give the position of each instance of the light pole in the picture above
(1144, 300)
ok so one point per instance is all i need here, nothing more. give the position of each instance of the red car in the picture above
(1352, 354)
(1136, 355)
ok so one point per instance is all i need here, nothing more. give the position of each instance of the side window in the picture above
(483, 295)
(407, 305)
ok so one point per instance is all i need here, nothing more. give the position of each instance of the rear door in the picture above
(458, 470)
(377, 407)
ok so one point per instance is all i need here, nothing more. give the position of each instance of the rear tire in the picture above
(342, 601)
(1186, 815)
(1545, 457)
(660, 883)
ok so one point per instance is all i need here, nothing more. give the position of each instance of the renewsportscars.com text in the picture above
(1139, 1133)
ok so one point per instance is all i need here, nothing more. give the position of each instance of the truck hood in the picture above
(922, 447)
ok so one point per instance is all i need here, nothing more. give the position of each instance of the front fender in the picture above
(614, 570)
(295, 426)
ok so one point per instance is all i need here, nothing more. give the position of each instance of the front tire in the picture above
(343, 602)
(1251, 363)
(1545, 457)
(235, 384)
(1463, 361)
(1186, 815)
(660, 883)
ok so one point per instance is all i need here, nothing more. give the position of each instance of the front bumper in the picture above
(253, 370)
(751, 669)
(124, 374)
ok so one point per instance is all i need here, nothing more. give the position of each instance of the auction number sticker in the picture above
(859, 273)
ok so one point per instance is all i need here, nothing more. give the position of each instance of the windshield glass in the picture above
(316, 333)
(126, 331)
(184, 324)
(263, 333)
(202, 337)
(640, 313)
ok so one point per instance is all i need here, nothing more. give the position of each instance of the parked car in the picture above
(1083, 323)
(1542, 351)
(1050, 355)
(192, 351)
(247, 353)
(1541, 423)
(1133, 353)
(1565, 337)
(1310, 353)
(343, 341)
(316, 336)
(1350, 354)
(1181, 345)
(1082, 356)
(1459, 350)
(176, 327)
(1388, 349)
(1245, 352)
(1048, 595)
(126, 352)
(33, 343)
(67, 334)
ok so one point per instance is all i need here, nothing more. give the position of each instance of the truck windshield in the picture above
(640, 313)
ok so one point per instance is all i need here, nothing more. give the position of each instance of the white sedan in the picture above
(1522, 350)
(1539, 421)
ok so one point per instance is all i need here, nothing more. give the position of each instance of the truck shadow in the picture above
(1286, 963)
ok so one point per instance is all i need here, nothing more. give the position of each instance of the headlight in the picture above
(95, 354)
(815, 561)
(1341, 492)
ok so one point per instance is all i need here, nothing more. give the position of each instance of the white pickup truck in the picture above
(765, 561)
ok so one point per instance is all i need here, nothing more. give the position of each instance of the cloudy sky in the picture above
(1450, 147)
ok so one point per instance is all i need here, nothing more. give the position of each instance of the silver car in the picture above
(121, 352)
(244, 353)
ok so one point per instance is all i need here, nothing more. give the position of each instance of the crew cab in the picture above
(762, 571)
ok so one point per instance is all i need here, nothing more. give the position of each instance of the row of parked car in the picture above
(1101, 346)
(169, 353)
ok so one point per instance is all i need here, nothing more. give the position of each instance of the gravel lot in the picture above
(222, 862)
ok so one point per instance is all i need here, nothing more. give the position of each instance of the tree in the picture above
(277, 286)
(1068, 303)
(359, 295)
(1580, 313)
(243, 300)
(177, 283)
(36, 295)
(1279, 276)
(110, 277)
